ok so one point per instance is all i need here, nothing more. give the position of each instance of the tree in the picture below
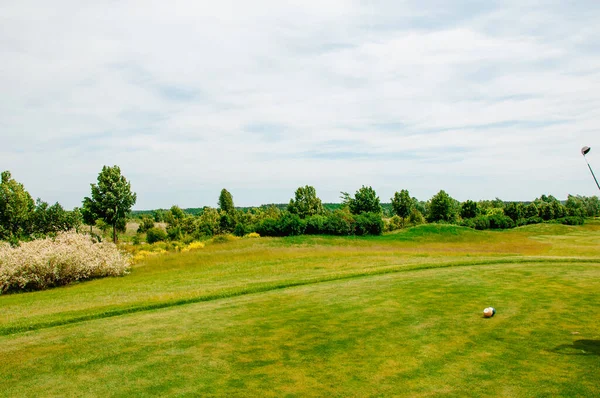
(226, 202)
(514, 210)
(227, 212)
(442, 207)
(402, 203)
(531, 210)
(469, 209)
(87, 213)
(305, 203)
(51, 219)
(16, 208)
(365, 201)
(111, 199)
(146, 223)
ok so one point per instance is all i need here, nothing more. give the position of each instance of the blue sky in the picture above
(481, 99)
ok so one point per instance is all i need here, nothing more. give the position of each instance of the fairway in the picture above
(397, 315)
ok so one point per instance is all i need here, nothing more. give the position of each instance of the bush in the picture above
(173, 232)
(155, 235)
(340, 223)
(499, 221)
(530, 220)
(416, 217)
(69, 257)
(268, 227)
(145, 224)
(315, 225)
(570, 220)
(368, 224)
(240, 229)
(223, 238)
(290, 225)
(394, 223)
(479, 223)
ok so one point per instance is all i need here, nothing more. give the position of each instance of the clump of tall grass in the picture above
(67, 258)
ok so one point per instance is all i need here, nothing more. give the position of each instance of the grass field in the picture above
(396, 315)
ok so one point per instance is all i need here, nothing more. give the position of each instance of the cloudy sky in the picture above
(483, 99)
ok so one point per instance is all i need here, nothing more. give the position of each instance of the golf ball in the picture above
(489, 312)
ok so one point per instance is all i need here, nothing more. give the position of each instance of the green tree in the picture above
(16, 208)
(402, 203)
(226, 202)
(514, 210)
(146, 223)
(111, 198)
(177, 212)
(87, 213)
(469, 209)
(51, 219)
(531, 210)
(305, 203)
(442, 207)
(365, 201)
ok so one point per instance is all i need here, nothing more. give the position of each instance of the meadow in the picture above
(392, 315)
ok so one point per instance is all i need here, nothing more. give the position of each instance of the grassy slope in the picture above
(250, 265)
(412, 332)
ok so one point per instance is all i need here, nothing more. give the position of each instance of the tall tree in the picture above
(305, 202)
(111, 198)
(365, 201)
(402, 203)
(442, 207)
(226, 202)
(16, 208)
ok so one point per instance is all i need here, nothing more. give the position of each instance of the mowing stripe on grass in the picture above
(287, 284)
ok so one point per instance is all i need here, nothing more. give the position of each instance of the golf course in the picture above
(394, 315)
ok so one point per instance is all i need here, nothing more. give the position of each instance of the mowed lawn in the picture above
(394, 315)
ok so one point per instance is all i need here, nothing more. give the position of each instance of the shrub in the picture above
(315, 225)
(223, 238)
(48, 262)
(155, 235)
(368, 224)
(173, 232)
(479, 222)
(531, 220)
(268, 227)
(146, 224)
(240, 229)
(340, 223)
(290, 225)
(499, 221)
(394, 223)
(192, 246)
(571, 220)
(416, 217)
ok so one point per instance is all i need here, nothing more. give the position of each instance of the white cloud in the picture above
(262, 97)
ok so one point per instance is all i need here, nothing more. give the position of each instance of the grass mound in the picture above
(437, 232)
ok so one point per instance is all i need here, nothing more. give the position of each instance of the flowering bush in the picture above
(67, 258)
(193, 246)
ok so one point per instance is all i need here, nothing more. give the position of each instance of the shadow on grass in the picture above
(579, 347)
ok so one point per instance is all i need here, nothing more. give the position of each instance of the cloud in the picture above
(479, 99)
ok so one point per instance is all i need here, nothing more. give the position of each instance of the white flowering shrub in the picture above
(67, 258)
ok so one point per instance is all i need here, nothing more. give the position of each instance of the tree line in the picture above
(109, 207)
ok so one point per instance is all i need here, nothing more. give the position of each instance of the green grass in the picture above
(303, 316)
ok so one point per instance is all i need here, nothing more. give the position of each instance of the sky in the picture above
(482, 99)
